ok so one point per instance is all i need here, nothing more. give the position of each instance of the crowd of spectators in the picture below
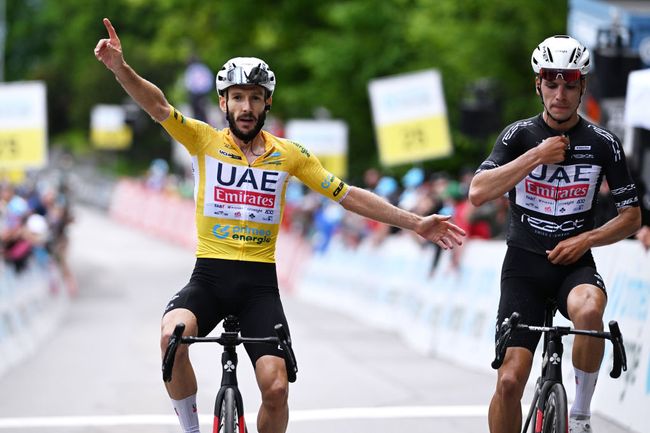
(34, 220)
(319, 219)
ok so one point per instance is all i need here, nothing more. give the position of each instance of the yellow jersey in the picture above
(239, 205)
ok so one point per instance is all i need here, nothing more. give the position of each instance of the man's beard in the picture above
(246, 136)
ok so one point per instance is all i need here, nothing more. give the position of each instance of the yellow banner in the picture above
(112, 140)
(15, 176)
(21, 148)
(414, 140)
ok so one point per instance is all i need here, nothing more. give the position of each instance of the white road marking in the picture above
(296, 416)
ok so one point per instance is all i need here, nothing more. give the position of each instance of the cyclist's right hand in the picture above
(109, 51)
(552, 150)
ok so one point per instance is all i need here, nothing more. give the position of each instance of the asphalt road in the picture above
(99, 371)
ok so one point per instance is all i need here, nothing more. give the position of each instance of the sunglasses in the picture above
(567, 75)
(256, 75)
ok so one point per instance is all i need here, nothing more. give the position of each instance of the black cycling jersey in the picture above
(556, 201)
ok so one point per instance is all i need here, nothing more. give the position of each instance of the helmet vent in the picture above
(573, 56)
(550, 55)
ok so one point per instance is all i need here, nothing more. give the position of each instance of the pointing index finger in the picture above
(111, 31)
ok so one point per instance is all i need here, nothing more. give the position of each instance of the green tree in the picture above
(324, 53)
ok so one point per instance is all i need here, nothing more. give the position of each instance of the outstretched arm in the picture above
(144, 93)
(435, 228)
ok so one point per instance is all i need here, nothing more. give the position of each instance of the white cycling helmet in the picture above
(561, 52)
(245, 71)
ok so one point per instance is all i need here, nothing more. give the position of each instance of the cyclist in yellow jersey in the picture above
(241, 175)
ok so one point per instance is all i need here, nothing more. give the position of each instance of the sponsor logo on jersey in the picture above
(178, 114)
(229, 155)
(327, 182)
(338, 189)
(301, 148)
(583, 147)
(559, 190)
(551, 226)
(628, 202)
(242, 233)
(248, 178)
(545, 190)
(234, 196)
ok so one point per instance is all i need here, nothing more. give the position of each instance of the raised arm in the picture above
(435, 228)
(144, 93)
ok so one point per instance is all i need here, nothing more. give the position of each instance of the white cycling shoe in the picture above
(580, 425)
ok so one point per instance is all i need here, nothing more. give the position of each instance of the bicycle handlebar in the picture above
(620, 357)
(170, 353)
(505, 331)
(230, 339)
(289, 356)
(512, 323)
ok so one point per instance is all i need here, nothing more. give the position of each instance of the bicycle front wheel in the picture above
(228, 413)
(555, 410)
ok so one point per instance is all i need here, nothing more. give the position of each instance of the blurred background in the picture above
(402, 97)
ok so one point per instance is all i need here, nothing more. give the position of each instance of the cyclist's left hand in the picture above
(439, 230)
(569, 250)
(109, 51)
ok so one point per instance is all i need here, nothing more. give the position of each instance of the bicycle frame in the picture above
(552, 352)
(229, 362)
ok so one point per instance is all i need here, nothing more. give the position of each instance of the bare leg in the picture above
(183, 383)
(504, 415)
(586, 306)
(271, 375)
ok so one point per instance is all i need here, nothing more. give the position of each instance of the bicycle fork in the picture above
(229, 406)
(551, 374)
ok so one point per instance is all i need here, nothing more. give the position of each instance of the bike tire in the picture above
(228, 414)
(555, 410)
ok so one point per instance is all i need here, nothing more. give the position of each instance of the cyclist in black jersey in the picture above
(244, 167)
(551, 166)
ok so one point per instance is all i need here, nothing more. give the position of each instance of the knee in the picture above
(588, 318)
(586, 311)
(167, 329)
(510, 385)
(276, 393)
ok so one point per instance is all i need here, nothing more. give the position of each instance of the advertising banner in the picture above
(410, 117)
(23, 125)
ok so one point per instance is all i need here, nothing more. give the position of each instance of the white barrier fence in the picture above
(31, 304)
(452, 313)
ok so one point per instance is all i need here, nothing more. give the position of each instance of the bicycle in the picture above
(228, 406)
(549, 403)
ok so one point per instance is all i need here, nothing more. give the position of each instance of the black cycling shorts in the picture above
(529, 280)
(249, 290)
